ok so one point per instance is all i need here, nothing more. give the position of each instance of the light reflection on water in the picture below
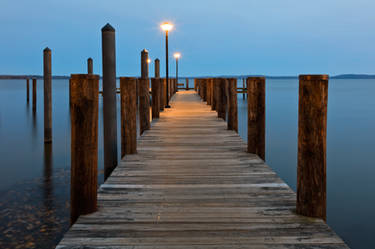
(34, 177)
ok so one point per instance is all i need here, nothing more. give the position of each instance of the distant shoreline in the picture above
(341, 76)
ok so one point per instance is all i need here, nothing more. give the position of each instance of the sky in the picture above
(215, 37)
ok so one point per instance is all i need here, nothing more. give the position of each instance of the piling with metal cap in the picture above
(109, 99)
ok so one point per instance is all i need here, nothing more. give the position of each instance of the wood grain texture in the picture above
(144, 105)
(155, 86)
(84, 144)
(163, 100)
(312, 133)
(256, 116)
(232, 104)
(222, 99)
(128, 88)
(193, 185)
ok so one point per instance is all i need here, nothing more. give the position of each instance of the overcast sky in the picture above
(215, 37)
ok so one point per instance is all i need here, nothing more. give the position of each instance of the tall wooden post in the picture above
(157, 68)
(243, 88)
(163, 102)
(195, 84)
(256, 116)
(34, 95)
(84, 144)
(312, 132)
(128, 116)
(155, 86)
(144, 105)
(27, 90)
(232, 104)
(222, 99)
(187, 84)
(47, 74)
(144, 64)
(109, 99)
(90, 66)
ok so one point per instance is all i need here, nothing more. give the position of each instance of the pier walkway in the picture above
(193, 186)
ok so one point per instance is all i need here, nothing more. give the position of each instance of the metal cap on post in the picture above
(109, 99)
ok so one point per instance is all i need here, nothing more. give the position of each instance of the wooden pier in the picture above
(192, 185)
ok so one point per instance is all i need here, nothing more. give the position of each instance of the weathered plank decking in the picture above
(192, 185)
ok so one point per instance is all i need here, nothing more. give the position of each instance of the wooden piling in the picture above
(222, 99)
(157, 68)
(195, 85)
(232, 104)
(27, 90)
(204, 89)
(155, 90)
(256, 119)
(128, 115)
(34, 95)
(312, 132)
(215, 82)
(84, 144)
(243, 88)
(144, 105)
(90, 66)
(163, 101)
(144, 64)
(187, 84)
(47, 75)
(208, 91)
(109, 99)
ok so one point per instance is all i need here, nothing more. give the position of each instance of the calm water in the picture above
(34, 179)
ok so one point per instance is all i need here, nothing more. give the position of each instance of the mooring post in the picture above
(47, 75)
(84, 144)
(90, 66)
(208, 91)
(195, 85)
(256, 116)
(312, 132)
(157, 68)
(243, 88)
(109, 99)
(155, 90)
(187, 84)
(162, 94)
(27, 90)
(144, 64)
(214, 94)
(232, 104)
(34, 95)
(222, 100)
(128, 116)
(144, 105)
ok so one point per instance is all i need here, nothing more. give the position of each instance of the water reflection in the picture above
(47, 174)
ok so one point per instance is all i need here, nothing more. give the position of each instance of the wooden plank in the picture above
(193, 185)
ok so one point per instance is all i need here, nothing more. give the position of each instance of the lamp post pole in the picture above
(166, 68)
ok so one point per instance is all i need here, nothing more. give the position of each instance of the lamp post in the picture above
(166, 27)
(177, 56)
